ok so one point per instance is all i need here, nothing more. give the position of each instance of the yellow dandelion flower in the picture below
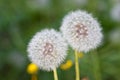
(66, 65)
(32, 68)
(80, 55)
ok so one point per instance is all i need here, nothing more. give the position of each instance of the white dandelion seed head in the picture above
(81, 31)
(115, 12)
(38, 4)
(75, 2)
(47, 49)
(114, 36)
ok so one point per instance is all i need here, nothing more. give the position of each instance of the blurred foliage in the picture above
(21, 19)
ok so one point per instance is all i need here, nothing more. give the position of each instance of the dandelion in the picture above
(80, 54)
(75, 2)
(38, 4)
(47, 49)
(115, 12)
(32, 69)
(66, 65)
(114, 36)
(82, 32)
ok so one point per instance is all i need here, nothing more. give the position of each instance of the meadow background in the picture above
(21, 19)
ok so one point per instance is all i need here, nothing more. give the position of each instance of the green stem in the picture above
(77, 66)
(55, 74)
(34, 77)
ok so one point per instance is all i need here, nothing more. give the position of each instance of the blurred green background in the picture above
(21, 19)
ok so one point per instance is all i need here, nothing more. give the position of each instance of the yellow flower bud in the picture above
(67, 65)
(32, 68)
(80, 55)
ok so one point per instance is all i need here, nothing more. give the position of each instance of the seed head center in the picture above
(48, 49)
(81, 30)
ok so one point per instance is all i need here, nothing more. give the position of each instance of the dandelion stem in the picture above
(77, 66)
(34, 77)
(55, 74)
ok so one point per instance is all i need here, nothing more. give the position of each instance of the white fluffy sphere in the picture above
(115, 12)
(81, 30)
(47, 49)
